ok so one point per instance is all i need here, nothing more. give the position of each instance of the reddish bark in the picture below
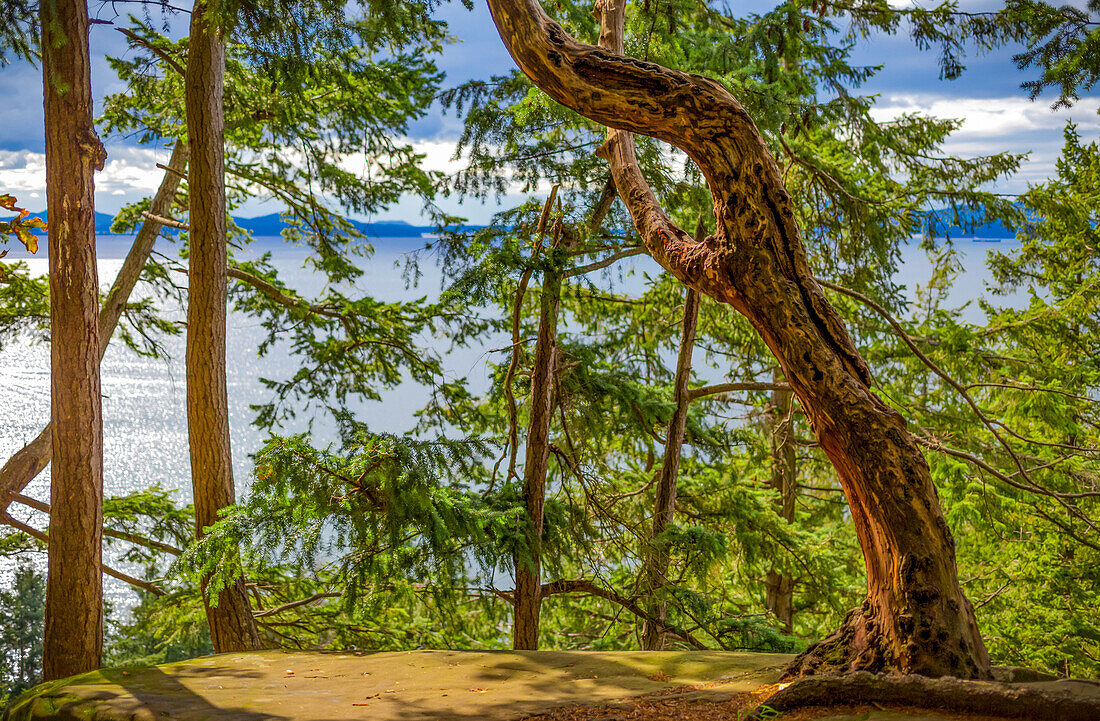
(74, 588)
(232, 627)
(915, 618)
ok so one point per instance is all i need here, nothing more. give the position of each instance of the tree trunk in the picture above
(915, 618)
(31, 459)
(528, 594)
(779, 587)
(655, 561)
(74, 591)
(232, 627)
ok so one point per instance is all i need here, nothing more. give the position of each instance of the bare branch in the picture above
(720, 388)
(33, 532)
(293, 604)
(628, 252)
(134, 538)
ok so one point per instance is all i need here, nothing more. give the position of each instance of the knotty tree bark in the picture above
(779, 586)
(74, 587)
(915, 618)
(656, 558)
(26, 463)
(528, 593)
(232, 627)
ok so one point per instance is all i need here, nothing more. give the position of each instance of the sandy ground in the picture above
(427, 685)
(446, 686)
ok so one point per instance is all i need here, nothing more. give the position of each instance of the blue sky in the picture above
(996, 112)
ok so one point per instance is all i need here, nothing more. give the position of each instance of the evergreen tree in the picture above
(23, 609)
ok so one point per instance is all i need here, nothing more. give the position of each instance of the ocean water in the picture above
(145, 431)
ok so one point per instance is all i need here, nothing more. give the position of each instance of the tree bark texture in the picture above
(29, 461)
(1046, 701)
(528, 594)
(655, 563)
(779, 586)
(232, 627)
(915, 618)
(74, 588)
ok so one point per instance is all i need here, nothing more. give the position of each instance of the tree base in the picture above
(925, 648)
(852, 647)
(1065, 700)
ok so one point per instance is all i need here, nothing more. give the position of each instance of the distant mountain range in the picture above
(272, 225)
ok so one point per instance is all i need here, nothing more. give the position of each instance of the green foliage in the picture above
(23, 609)
(19, 30)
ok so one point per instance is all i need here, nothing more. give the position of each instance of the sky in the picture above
(997, 115)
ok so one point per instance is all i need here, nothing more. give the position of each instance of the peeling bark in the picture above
(915, 618)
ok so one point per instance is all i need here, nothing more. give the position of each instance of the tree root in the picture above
(1064, 700)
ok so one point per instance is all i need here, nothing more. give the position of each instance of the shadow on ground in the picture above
(392, 686)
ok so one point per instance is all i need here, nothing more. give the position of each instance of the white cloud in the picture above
(129, 173)
(989, 118)
(1000, 125)
(990, 125)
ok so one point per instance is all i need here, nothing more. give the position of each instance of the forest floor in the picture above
(438, 686)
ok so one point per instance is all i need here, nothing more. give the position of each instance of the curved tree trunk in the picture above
(232, 627)
(915, 618)
(74, 587)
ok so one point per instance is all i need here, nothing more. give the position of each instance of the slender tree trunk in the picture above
(915, 618)
(655, 561)
(31, 459)
(232, 627)
(779, 586)
(528, 594)
(74, 591)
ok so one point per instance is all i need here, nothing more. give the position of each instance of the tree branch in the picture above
(628, 252)
(293, 604)
(33, 532)
(134, 538)
(703, 391)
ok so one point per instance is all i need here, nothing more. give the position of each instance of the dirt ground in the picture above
(443, 686)
(682, 705)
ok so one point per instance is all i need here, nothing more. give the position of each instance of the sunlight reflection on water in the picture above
(145, 431)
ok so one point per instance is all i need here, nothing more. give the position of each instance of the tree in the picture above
(23, 610)
(915, 618)
(527, 596)
(229, 613)
(74, 595)
(655, 555)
